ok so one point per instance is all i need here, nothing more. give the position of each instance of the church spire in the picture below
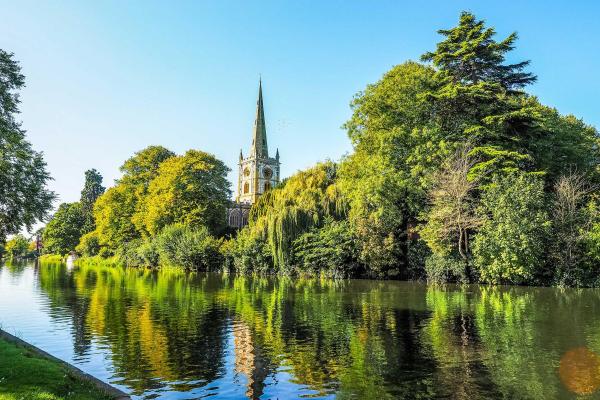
(259, 138)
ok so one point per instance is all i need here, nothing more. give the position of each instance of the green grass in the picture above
(24, 375)
(51, 258)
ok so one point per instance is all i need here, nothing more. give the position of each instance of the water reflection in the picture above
(179, 335)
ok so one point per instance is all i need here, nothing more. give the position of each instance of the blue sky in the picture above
(108, 78)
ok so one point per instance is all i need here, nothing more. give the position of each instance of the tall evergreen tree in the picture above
(92, 189)
(470, 55)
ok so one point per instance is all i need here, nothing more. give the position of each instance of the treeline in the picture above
(165, 209)
(457, 174)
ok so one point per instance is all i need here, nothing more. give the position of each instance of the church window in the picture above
(234, 218)
(246, 187)
(267, 186)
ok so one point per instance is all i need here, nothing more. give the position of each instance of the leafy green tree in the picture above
(248, 252)
(24, 198)
(138, 171)
(17, 246)
(119, 212)
(569, 145)
(92, 189)
(192, 190)
(396, 148)
(113, 212)
(511, 243)
(63, 231)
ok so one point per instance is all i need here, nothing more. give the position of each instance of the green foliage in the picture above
(17, 247)
(451, 217)
(470, 55)
(185, 247)
(446, 268)
(119, 212)
(330, 250)
(24, 198)
(113, 212)
(301, 202)
(192, 190)
(248, 252)
(149, 253)
(92, 189)
(511, 243)
(63, 231)
(89, 244)
(396, 147)
(574, 216)
(138, 172)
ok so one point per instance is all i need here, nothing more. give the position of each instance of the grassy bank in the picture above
(24, 375)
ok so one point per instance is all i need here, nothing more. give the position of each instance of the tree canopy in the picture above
(63, 231)
(191, 189)
(24, 198)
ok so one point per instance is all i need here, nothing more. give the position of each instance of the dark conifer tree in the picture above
(92, 189)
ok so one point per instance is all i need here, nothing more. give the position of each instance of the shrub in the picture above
(330, 249)
(510, 246)
(149, 254)
(248, 253)
(128, 254)
(443, 269)
(89, 245)
(189, 248)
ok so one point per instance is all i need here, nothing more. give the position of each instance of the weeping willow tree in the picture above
(301, 202)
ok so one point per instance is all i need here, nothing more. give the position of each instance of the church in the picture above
(258, 172)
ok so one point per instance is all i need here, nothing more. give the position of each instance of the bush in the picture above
(128, 254)
(148, 252)
(510, 246)
(189, 248)
(443, 269)
(248, 253)
(89, 245)
(330, 249)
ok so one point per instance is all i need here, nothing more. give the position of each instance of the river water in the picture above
(175, 335)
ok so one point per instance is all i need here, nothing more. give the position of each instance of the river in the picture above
(176, 335)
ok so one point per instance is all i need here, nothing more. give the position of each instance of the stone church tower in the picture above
(258, 172)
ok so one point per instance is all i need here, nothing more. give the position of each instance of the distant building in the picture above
(258, 172)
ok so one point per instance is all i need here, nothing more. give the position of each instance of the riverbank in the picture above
(27, 372)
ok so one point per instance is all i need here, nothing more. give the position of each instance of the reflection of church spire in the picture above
(249, 361)
(259, 138)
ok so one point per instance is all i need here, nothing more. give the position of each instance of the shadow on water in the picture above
(184, 335)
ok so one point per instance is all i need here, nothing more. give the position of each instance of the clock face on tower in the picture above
(267, 173)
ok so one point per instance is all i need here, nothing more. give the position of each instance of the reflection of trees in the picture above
(156, 327)
(63, 291)
(357, 339)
